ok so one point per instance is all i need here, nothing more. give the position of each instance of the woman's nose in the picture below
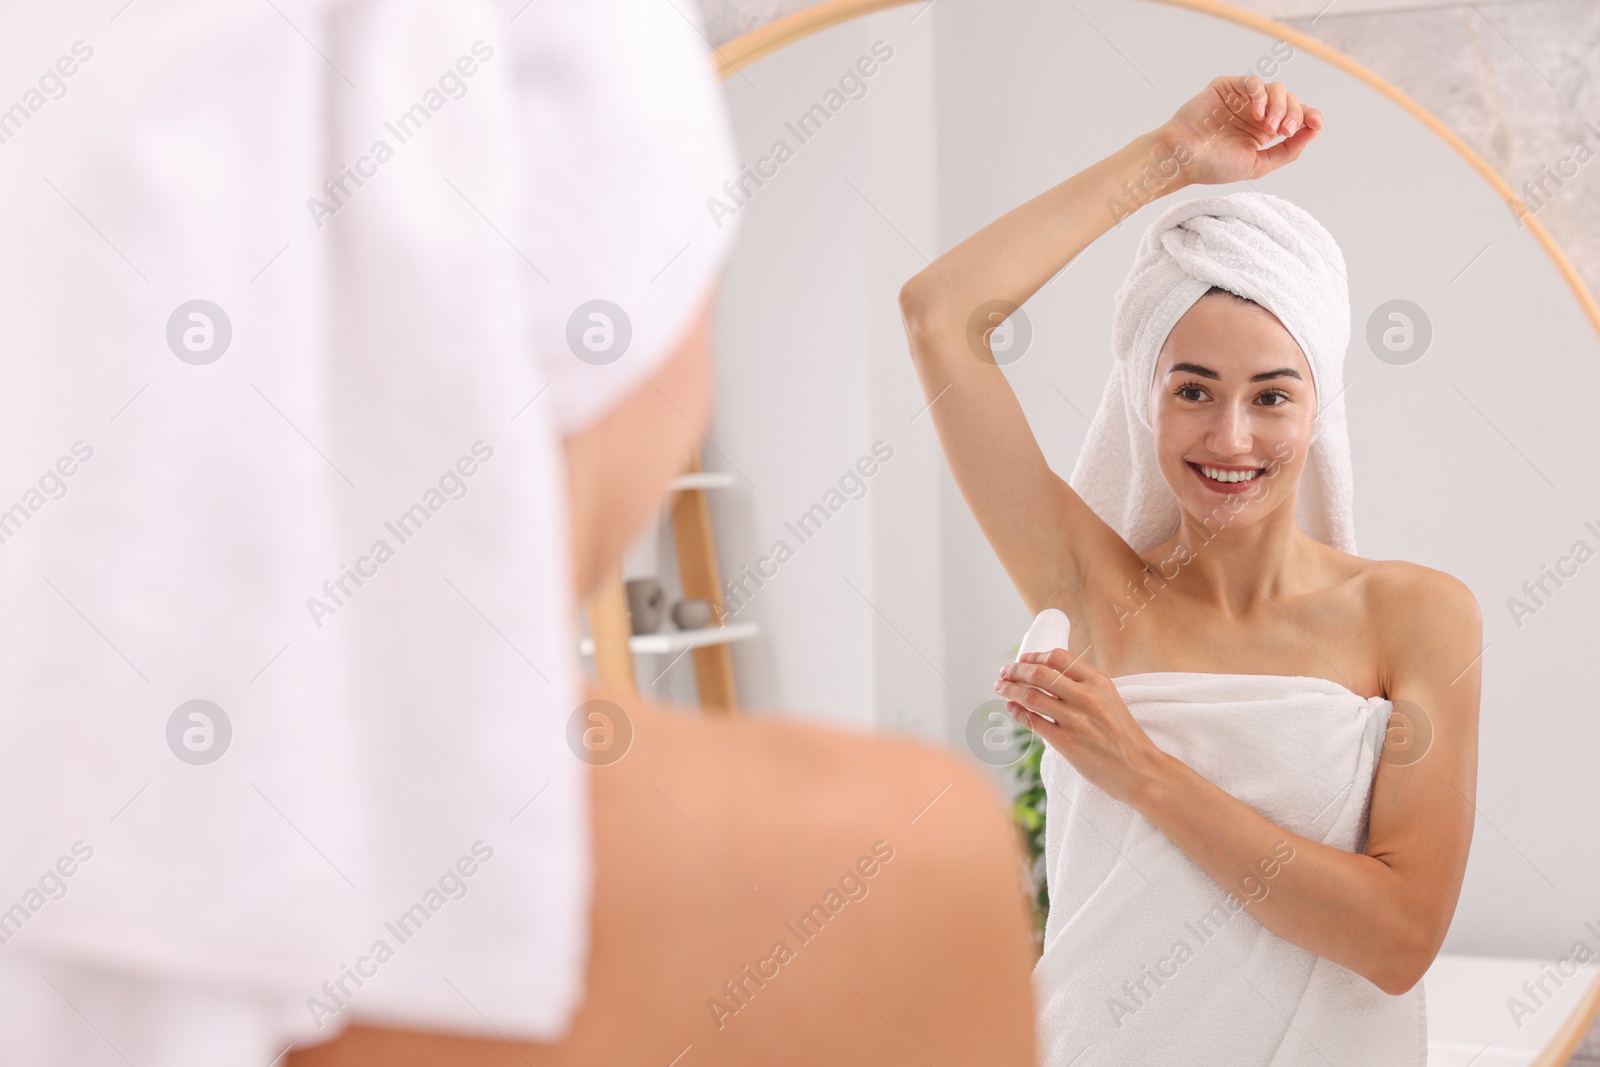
(1231, 435)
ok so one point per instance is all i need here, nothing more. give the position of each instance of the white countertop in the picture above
(1473, 1013)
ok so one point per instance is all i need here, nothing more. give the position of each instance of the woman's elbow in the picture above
(913, 299)
(1397, 986)
(1395, 982)
(1400, 970)
(921, 311)
(923, 293)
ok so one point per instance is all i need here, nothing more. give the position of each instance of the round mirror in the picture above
(872, 144)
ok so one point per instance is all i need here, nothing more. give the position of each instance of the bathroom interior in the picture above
(855, 588)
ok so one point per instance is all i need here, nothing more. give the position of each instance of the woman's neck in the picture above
(1231, 567)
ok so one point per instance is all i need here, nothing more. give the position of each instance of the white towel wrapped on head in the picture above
(1258, 246)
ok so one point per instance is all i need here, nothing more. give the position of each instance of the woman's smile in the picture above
(1229, 479)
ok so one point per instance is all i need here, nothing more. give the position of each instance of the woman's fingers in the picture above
(1057, 673)
(1030, 697)
(1021, 715)
(1283, 115)
(1277, 104)
(1046, 728)
(1273, 108)
(1037, 676)
(1256, 90)
(1288, 150)
(1068, 664)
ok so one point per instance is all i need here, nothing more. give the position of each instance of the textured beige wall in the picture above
(1517, 80)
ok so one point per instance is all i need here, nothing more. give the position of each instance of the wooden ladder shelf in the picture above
(609, 625)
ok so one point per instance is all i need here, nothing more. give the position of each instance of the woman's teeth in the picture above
(1227, 476)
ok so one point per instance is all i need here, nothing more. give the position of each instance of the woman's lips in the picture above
(1225, 488)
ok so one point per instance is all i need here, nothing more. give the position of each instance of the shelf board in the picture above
(701, 480)
(670, 641)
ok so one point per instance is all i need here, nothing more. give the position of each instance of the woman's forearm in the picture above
(1340, 905)
(1013, 256)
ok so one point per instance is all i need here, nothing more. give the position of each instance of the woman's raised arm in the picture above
(1046, 537)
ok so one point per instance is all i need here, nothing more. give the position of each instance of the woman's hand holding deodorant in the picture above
(1049, 630)
(1079, 712)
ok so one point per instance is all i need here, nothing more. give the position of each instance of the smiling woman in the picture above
(989, 103)
(1230, 334)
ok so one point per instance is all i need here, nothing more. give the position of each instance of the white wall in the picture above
(812, 370)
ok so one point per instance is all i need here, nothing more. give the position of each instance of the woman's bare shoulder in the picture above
(1398, 585)
(1427, 621)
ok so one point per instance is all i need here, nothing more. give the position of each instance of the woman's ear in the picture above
(619, 467)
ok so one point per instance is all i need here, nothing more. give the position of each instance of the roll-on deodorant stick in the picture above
(1049, 631)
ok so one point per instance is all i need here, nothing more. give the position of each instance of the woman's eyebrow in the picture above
(1207, 372)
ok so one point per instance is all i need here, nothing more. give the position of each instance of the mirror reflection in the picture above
(1022, 355)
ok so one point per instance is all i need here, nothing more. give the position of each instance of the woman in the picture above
(406, 850)
(1261, 655)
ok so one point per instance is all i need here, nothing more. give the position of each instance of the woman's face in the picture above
(1232, 396)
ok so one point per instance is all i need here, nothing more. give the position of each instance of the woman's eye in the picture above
(1283, 398)
(1184, 391)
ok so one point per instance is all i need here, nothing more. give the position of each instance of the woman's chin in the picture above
(1230, 508)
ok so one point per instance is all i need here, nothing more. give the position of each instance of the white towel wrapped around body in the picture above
(1147, 960)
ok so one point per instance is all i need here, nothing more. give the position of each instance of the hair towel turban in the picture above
(1258, 246)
